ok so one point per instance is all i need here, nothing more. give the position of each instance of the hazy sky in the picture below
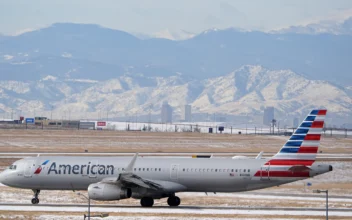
(151, 16)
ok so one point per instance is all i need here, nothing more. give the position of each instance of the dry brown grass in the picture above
(122, 141)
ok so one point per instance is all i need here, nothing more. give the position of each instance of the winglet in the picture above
(130, 166)
(259, 155)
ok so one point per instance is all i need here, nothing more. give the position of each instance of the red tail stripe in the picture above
(290, 162)
(312, 137)
(282, 174)
(308, 150)
(317, 124)
(322, 112)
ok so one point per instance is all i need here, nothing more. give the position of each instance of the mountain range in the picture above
(245, 91)
(91, 49)
(78, 69)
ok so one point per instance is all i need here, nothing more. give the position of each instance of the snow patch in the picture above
(49, 78)
(66, 55)
(82, 80)
(8, 57)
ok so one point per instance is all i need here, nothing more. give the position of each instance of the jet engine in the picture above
(108, 192)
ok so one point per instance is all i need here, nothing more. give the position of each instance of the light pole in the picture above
(327, 195)
(80, 194)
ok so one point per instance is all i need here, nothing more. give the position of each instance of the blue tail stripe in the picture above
(293, 144)
(310, 118)
(306, 124)
(297, 137)
(314, 112)
(301, 131)
(289, 150)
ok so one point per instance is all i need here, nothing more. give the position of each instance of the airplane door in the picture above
(29, 168)
(174, 171)
(265, 172)
(93, 170)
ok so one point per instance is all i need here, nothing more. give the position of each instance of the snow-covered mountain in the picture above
(245, 91)
(343, 27)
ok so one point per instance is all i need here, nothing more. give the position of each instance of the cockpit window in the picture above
(12, 167)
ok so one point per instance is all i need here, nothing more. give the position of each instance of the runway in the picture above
(182, 210)
(177, 208)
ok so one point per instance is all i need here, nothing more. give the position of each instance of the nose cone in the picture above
(2, 177)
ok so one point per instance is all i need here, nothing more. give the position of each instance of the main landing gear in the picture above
(35, 199)
(173, 201)
(147, 202)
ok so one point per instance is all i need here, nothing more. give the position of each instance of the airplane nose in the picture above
(2, 177)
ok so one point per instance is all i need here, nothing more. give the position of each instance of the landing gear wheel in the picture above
(147, 202)
(173, 201)
(35, 200)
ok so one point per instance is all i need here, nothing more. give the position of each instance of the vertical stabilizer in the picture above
(302, 147)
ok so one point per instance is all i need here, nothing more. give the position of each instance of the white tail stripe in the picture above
(290, 156)
(320, 118)
(310, 144)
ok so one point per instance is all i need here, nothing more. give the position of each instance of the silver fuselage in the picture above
(194, 174)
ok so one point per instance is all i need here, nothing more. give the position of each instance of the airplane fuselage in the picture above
(194, 174)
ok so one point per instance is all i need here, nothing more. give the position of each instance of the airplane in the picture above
(148, 178)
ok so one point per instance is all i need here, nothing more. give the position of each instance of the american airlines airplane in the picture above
(146, 178)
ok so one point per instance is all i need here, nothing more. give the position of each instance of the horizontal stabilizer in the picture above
(260, 155)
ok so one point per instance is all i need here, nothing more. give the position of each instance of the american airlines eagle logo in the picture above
(39, 169)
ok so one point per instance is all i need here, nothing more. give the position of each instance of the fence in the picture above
(158, 127)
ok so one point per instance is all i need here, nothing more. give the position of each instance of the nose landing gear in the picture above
(35, 200)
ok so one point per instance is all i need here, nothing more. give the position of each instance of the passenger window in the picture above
(143, 169)
(147, 169)
(236, 170)
(156, 169)
(249, 170)
(216, 170)
(232, 170)
(134, 169)
(139, 169)
(244, 170)
(184, 169)
(159, 169)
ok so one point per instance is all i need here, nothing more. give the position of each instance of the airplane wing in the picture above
(129, 179)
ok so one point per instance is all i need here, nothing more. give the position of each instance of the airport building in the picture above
(187, 113)
(166, 113)
(268, 115)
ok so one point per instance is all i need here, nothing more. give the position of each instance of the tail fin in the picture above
(302, 147)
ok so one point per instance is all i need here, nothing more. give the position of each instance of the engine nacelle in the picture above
(108, 192)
